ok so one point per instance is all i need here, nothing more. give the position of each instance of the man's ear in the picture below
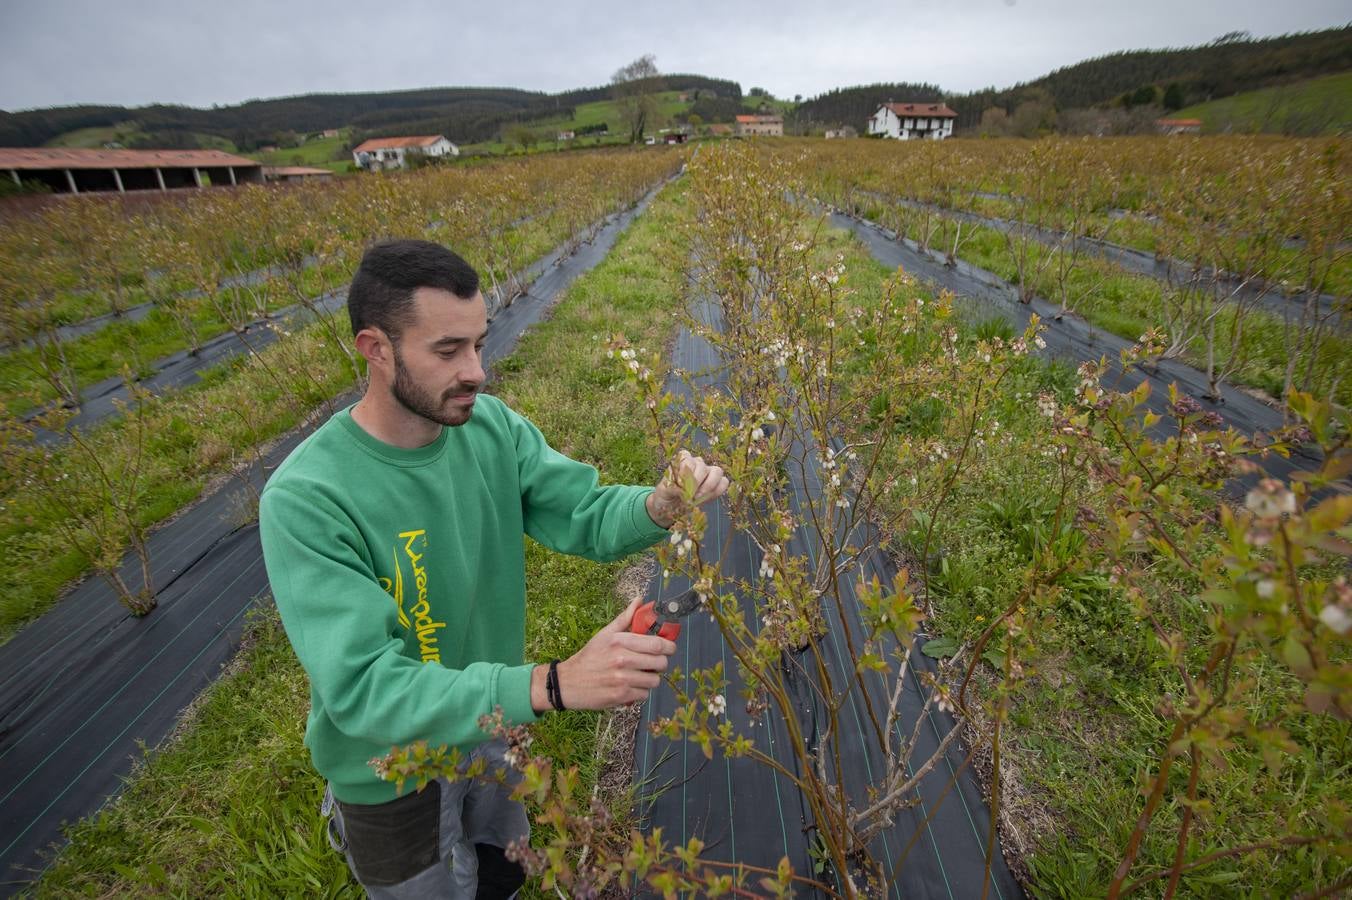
(374, 344)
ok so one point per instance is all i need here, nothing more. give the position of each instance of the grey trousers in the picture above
(423, 846)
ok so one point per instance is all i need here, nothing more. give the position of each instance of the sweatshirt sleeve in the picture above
(566, 509)
(344, 628)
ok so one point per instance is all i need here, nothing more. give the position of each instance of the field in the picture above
(584, 115)
(1129, 646)
(323, 153)
(125, 134)
(1316, 106)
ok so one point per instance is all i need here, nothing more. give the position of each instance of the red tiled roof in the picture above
(1181, 123)
(79, 158)
(759, 120)
(395, 143)
(933, 110)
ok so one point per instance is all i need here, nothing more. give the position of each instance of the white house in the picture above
(389, 153)
(913, 121)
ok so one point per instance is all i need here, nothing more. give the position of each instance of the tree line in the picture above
(1170, 78)
(462, 114)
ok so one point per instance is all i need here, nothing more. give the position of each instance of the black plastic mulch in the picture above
(86, 685)
(183, 368)
(744, 811)
(1073, 340)
(1250, 292)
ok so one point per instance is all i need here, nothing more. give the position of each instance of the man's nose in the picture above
(474, 373)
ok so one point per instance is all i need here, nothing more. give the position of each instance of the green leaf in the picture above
(1296, 656)
(940, 648)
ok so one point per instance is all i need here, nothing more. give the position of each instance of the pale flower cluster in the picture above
(1270, 499)
(631, 362)
(767, 566)
(681, 542)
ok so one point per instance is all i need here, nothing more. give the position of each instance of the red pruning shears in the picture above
(662, 617)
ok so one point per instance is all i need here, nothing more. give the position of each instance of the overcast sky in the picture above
(135, 52)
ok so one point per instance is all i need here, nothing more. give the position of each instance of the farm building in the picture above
(76, 171)
(1178, 126)
(295, 173)
(390, 153)
(847, 131)
(771, 126)
(913, 121)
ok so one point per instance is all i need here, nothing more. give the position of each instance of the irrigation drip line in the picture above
(86, 686)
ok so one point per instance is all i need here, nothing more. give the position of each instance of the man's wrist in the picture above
(659, 515)
(539, 697)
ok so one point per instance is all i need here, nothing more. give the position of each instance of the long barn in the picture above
(77, 171)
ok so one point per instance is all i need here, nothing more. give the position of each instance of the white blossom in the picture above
(1336, 618)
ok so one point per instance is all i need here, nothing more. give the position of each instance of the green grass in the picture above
(1126, 305)
(190, 437)
(1314, 106)
(1083, 727)
(584, 115)
(135, 344)
(125, 133)
(1081, 730)
(232, 807)
(324, 153)
(195, 434)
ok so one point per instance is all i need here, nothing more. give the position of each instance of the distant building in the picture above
(719, 129)
(765, 125)
(390, 153)
(76, 171)
(847, 131)
(566, 135)
(295, 173)
(1178, 126)
(913, 121)
(330, 132)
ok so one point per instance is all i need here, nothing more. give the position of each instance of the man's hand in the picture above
(615, 668)
(668, 500)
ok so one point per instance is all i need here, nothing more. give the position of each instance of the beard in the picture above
(421, 402)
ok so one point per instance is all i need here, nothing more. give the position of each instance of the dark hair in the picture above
(381, 294)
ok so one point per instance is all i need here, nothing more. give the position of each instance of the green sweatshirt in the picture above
(400, 577)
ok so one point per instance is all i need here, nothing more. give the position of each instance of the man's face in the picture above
(438, 367)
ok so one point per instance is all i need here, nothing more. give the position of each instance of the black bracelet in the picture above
(552, 686)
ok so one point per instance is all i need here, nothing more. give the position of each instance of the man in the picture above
(393, 542)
